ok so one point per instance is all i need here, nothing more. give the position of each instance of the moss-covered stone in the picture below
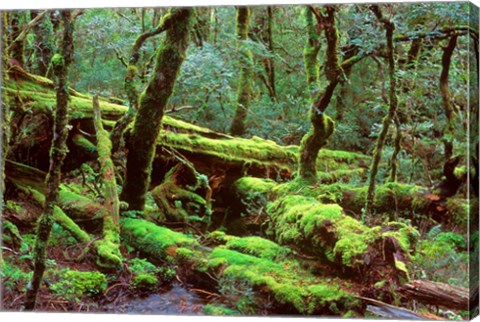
(145, 281)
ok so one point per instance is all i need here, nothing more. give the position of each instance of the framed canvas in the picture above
(241, 159)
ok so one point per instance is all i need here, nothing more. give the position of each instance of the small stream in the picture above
(177, 300)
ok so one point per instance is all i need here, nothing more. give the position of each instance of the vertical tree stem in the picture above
(393, 102)
(58, 151)
(245, 81)
(152, 102)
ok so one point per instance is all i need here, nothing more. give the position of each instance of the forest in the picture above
(295, 160)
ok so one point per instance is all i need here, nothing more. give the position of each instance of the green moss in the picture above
(256, 246)
(288, 283)
(220, 310)
(460, 211)
(73, 285)
(300, 220)
(14, 279)
(145, 281)
(152, 239)
(109, 255)
(405, 235)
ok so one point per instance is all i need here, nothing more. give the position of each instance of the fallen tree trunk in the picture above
(108, 247)
(434, 293)
(209, 151)
(265, 274)
(298, 219)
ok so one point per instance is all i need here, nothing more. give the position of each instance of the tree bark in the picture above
(61, 63)
(310, 53)
(245, 81)
(130, 78)
(393, 102)
(152, 103)
(322, 125)
(108, 247)
(447, 96)
(434, 293)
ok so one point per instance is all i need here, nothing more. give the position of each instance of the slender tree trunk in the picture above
(270, 65)
(245, 81)
(44, 44)
(405, 87)
(58, 151)
(322, 125)
(447, 96)
(4, 114)
(310, 53)
(393, 102)
(16, 47)
(262, 32)
(132, 74)
(152, 102)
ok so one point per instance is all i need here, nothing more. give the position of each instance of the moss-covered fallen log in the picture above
(107, 247)
(208, 150)
(302, 220)
(250, 265)
(79, 208)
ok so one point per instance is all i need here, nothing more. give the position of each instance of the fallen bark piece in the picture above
(435, 293)
(394, 312)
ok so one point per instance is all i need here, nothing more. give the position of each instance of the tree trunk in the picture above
(108, 247)
(433, 293)
(16, 48)
(393, 102)
(245, 81)
(447, 97)
(4, 113)
(322, 125)
(310, 53)
(152, 102)
(61, 63)
(130, 78)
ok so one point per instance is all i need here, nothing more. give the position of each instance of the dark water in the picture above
(177, 300)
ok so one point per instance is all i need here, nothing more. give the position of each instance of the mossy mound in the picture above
(73, 285)
(156, 241)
